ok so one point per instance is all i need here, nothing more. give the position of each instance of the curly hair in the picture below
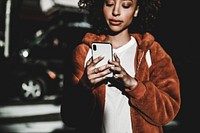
(143, 22)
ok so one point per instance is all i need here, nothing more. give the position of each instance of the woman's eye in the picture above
(126, 5)
(109, 4)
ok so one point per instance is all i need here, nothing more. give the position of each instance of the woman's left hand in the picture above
(121, 75)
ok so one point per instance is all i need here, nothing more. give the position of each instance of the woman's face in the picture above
(119, 13)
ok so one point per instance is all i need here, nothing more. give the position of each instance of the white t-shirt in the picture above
(116, 118)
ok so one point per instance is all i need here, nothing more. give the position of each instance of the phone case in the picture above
(105, 49)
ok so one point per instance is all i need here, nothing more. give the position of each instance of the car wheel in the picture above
(32, 89)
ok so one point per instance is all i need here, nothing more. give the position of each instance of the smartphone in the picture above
(105, 49)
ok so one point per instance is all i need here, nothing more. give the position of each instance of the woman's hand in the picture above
(93, 75)
(121, 75)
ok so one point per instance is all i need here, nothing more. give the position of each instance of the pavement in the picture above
(42, 117)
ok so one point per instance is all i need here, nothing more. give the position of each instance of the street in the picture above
(43, 116)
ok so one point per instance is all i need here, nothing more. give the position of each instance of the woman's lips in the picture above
(115, 22)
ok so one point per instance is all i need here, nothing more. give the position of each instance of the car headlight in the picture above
(24, 53)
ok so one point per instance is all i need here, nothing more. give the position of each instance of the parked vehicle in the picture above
(45, 57)
(36, 65)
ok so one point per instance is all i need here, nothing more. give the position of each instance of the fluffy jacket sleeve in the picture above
(157, 95)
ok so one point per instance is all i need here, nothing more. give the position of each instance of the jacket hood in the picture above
(144, 41)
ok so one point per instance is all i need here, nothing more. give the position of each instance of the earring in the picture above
(136, 12)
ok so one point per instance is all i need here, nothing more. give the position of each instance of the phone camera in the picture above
(94, 47)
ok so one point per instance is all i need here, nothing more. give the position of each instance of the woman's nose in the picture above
(116, 10)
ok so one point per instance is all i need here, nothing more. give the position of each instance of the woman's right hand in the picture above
(93, 75)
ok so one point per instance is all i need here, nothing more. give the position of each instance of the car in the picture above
(38, 69)
(45, 59)
(36, 64)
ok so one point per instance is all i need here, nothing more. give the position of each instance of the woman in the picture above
(144, 93)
